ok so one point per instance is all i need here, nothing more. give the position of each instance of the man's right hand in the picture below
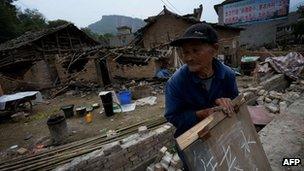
(204, 113)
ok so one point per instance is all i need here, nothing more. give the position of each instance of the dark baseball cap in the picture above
(200, 31)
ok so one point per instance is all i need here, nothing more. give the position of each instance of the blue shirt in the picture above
(185, 94)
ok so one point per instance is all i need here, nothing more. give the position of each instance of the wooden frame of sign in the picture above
(224, 143)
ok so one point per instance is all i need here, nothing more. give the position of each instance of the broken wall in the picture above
(132, 71)
(62, 72)
(89, 73)
(127, 154)
(39, 74)
(164, 30)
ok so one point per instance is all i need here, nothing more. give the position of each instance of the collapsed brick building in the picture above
(56, 56)
(161, 29)
(132, 63)
(165, 27)
(42, 59)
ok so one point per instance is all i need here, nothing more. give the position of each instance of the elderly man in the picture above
(202, 83)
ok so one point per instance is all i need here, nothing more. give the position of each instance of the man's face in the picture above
(198, 55)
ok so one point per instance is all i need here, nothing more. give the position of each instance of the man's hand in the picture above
(226, 104)
(204, 113)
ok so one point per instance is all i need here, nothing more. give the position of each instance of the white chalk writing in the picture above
(246, 143)
(210, 164)
(230, 159)
(207, 161)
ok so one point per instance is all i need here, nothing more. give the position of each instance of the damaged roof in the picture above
(191, 18)
(165, 11)
(31, 36)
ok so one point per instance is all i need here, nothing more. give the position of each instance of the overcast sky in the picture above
(84, 12)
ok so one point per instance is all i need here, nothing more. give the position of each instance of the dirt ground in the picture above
(35, 127)
(27, 132)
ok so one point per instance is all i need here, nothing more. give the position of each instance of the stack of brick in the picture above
(276, 82)
(166, 161)
(126, 154)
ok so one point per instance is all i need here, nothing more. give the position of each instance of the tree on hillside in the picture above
(56, 23)
(104, 39)
(9, 24)
(90, 33)
(108, 35)
(32, 20)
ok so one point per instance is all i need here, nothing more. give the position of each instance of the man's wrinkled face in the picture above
(198, 55)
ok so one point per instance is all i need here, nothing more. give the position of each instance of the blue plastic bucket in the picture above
(124, 97)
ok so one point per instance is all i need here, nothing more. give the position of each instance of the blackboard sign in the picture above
(232, 144)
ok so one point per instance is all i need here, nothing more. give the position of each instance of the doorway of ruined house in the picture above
(104, 72)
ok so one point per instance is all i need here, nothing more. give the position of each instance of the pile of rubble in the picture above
(166, 161)
(277, 101)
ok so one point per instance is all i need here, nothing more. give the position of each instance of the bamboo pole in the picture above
(49, 161)
(40, 158)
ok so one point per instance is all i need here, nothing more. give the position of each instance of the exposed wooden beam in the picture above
(71, 44)
(58, 45)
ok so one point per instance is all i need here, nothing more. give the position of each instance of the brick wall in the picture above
(62, 72)
(89, 73)
(132, 71)
(39, 74)
(164, 30)
(126, 154)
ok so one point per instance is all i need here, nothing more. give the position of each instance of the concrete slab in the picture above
(283, 137)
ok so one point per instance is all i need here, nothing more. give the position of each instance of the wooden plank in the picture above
(232, 144)
(191, 135)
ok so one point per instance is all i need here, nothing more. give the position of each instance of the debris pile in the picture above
(166, 161)
(276, 101)
(272, 87)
